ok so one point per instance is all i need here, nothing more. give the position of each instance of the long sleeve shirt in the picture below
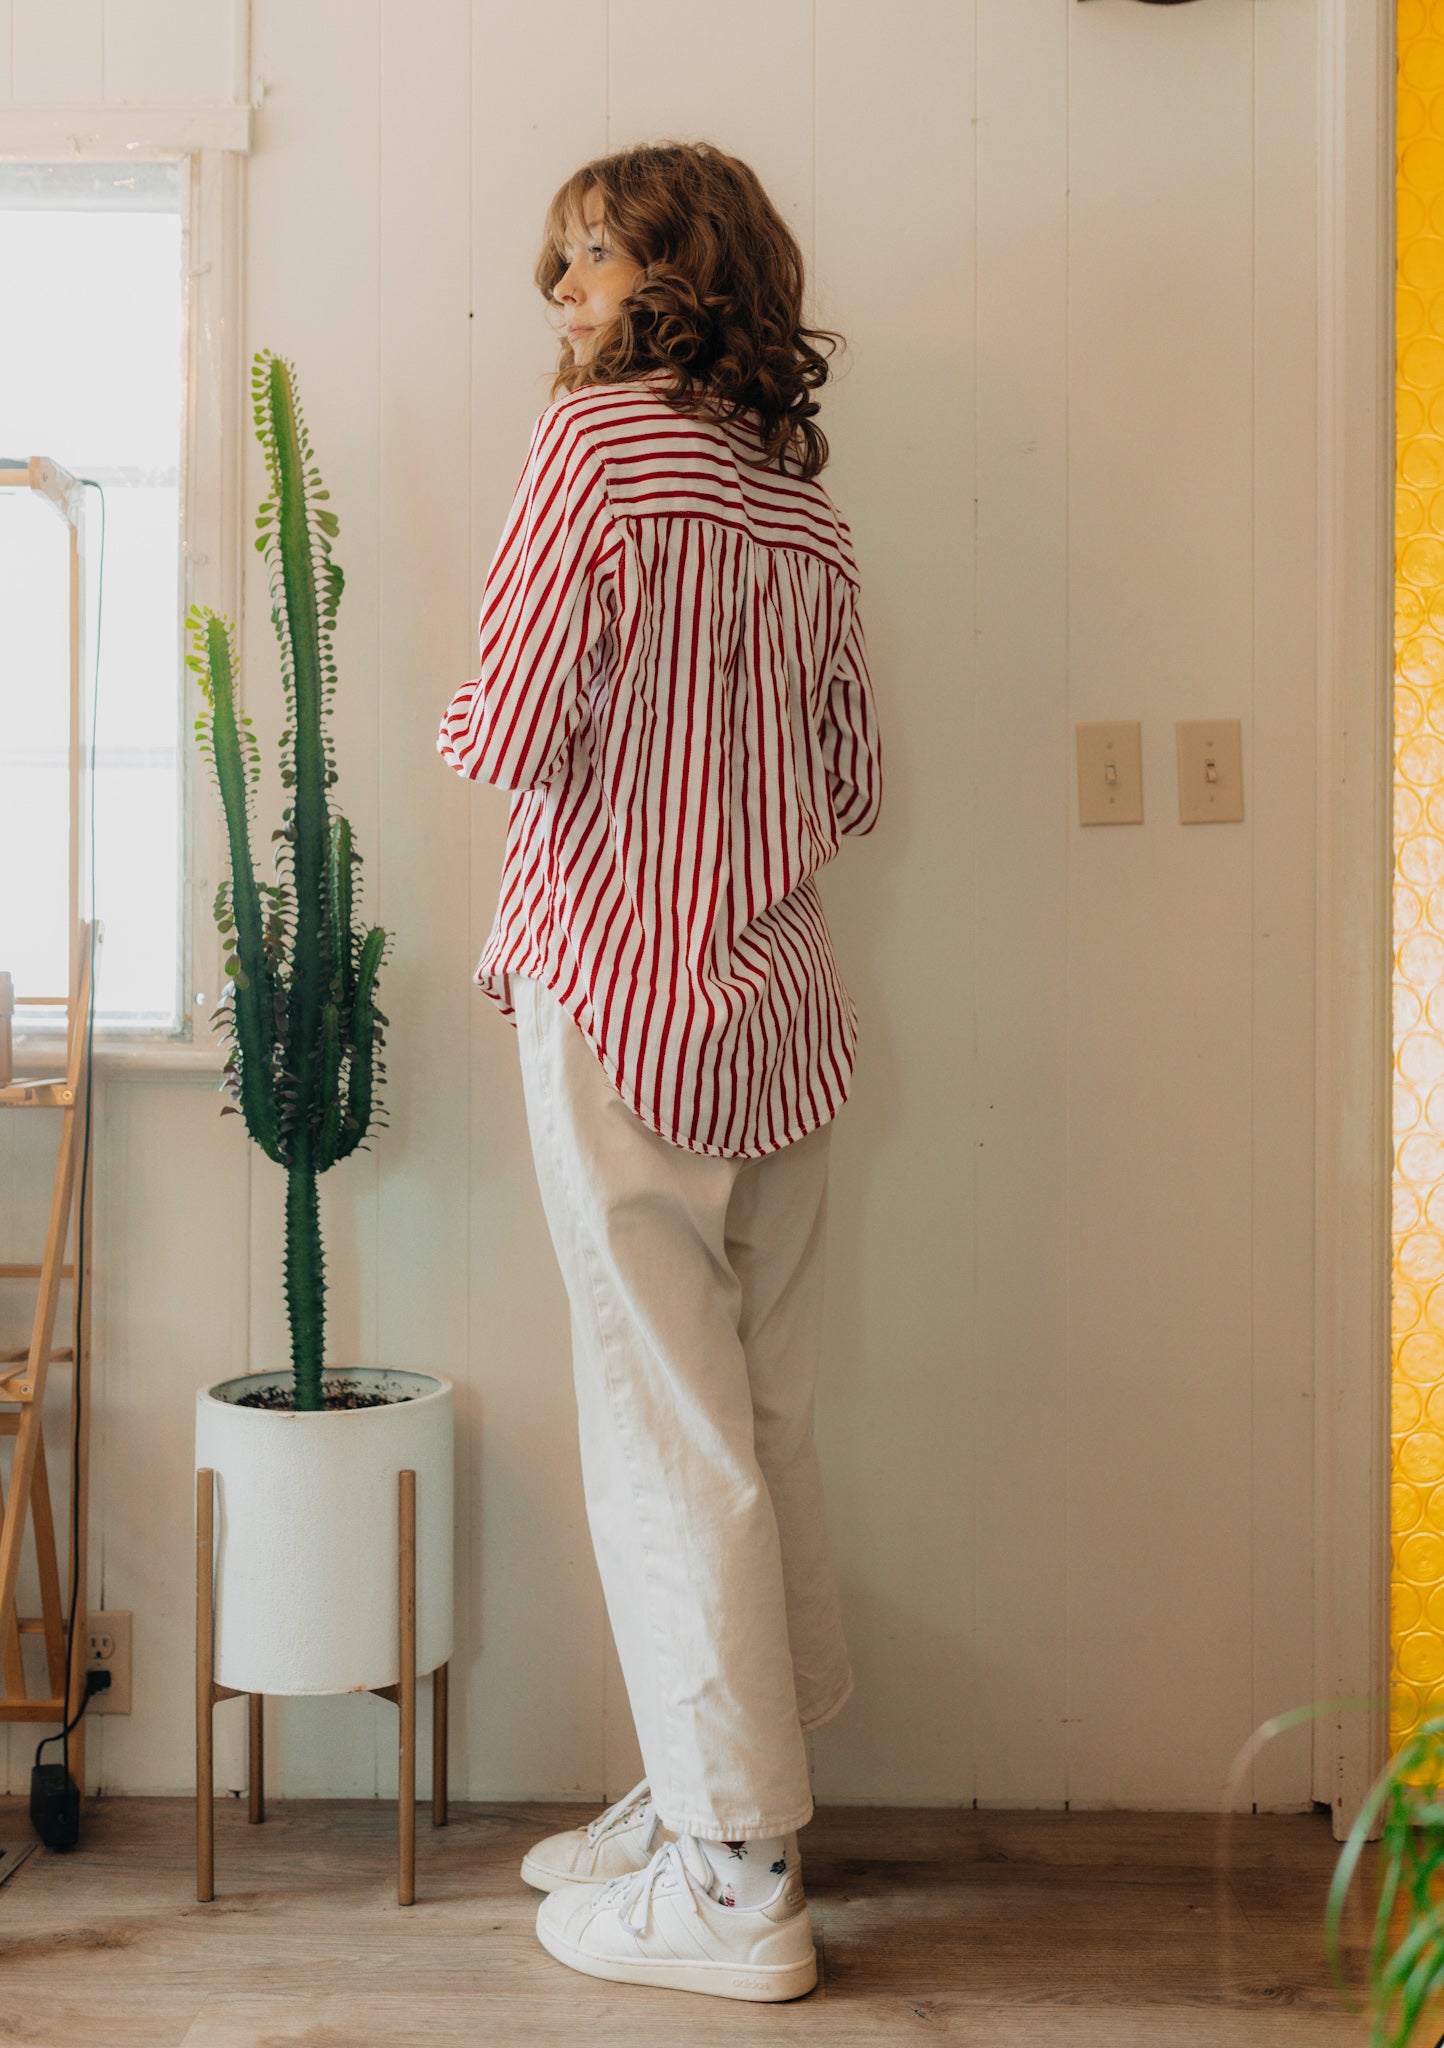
(674, 687)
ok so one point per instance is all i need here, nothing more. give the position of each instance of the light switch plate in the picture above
(1210, 771)
(1110, 772)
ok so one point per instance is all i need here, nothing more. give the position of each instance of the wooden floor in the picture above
(1087, 1929)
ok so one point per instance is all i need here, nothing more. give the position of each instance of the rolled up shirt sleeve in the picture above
(851, 743)
(542, 614)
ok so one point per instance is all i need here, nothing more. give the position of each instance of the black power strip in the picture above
(55, 1806)
(54, 1794)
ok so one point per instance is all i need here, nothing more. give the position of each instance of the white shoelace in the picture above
(632, 1895)
(619, 1811)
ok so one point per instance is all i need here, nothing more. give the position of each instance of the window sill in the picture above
(158, 1058)
(124, 1057)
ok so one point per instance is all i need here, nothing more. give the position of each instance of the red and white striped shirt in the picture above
(674, 685)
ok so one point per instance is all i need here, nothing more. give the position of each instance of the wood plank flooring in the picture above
(1093, 1930)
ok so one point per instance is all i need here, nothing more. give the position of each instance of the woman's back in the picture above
(674, 685)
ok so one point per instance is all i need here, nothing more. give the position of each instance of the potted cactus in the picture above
(306, 1460)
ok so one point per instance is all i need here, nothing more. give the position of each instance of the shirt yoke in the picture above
(659, 464)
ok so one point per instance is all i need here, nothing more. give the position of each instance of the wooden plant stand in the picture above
(22, 1397)
(402, 1695)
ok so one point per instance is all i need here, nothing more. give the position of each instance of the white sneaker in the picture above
(663, 1925)
(616, 1842)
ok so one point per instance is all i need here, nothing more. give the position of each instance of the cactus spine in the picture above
(300, 1012)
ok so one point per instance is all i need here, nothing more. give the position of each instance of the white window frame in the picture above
(211, 145)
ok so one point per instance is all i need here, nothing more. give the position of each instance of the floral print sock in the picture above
(748, 1873)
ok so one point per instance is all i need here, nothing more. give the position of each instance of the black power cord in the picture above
(54, 1795)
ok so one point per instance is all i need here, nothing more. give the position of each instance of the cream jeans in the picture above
(696, 1295)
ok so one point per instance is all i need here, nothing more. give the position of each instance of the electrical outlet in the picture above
(107, 1648)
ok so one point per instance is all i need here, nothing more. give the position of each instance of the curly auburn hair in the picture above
(719, 305)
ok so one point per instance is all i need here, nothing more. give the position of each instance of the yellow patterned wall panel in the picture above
(1417, 1608)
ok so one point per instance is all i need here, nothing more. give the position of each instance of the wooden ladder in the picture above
(25, 1501)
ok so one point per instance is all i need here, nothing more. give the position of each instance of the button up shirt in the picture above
(674, 687)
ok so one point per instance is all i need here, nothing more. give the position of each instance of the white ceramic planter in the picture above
(306, 1533)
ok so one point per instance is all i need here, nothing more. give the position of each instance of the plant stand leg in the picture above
(406, 1693)
(207, 1691)
(205, 1680)
(440, 1719)
(256, 1776)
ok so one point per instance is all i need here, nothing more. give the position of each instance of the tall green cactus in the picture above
(300, 1009)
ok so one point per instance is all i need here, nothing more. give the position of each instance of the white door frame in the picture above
(1354, 1041)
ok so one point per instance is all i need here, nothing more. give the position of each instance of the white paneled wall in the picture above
(122, 53)
(1066, 1413)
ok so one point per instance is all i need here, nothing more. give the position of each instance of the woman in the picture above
(674, 686)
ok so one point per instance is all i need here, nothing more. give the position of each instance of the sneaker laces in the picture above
(620, 1810)
(632, 1895)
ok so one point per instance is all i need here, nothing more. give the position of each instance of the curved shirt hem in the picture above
(493, 983)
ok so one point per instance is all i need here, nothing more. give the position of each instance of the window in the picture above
(93, 373)
(118, 360)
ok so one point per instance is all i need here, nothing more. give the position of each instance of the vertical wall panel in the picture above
(171, 1221)
(1015, 774)
(1157, 970)
(419, 877)
(57, 53)
(673, 77)
(894, 259)
(174, 52)
(537, 1715)
(1285, 317)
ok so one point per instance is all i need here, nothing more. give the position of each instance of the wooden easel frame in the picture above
(23, 1372)
(402, 1695)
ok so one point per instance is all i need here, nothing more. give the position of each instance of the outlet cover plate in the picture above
(107, 1648)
